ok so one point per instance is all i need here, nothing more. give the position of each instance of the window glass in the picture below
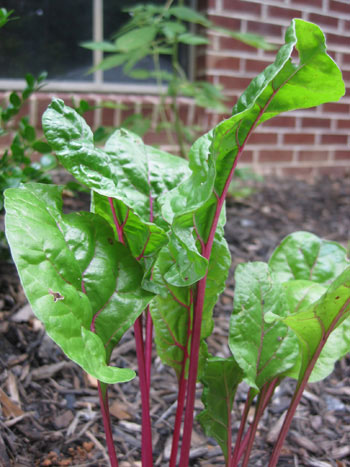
(46, 34)
(45, 37)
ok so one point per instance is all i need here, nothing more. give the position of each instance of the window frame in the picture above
(98, 85)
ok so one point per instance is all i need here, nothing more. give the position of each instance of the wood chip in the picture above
(341, 452)
(120, 410)
(9, 408)
(273, 433)
(304, 442)
(24, 314)
(47, 371)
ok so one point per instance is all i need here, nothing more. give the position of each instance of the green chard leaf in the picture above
(172, 309)
(77, 277)
(220, 379)
(126, 169)
(322, 326)
(304, 256)
(263, 350)
(284, 85)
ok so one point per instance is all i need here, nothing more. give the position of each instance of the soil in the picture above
(49, 409)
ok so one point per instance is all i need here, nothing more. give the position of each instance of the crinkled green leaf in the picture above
(126, 169)
(172, 308)
(74, 273)
(285, 85)
(144, 239)
(263, 350)
(301, 295)
(303, 255)
(323, 325)
(220, 380)
(144, 172)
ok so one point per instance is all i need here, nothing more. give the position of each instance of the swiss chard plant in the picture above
(152, 254)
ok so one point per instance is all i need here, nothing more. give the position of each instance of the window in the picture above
(46, 36)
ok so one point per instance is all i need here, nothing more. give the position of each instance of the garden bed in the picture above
(53, 418)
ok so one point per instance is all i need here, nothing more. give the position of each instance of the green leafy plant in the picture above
(159, 32)
(152, 254)
(16, 164)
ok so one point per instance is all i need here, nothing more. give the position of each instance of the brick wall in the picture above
(301, 143)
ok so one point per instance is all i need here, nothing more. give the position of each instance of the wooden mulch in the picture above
(49, 409)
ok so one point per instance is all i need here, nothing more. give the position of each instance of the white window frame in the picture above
(97, 85)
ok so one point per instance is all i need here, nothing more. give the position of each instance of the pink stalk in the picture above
(234, 459)
(182, 384)
(116, 222)
(148, 346)
(243, 445)
(301, 386)
(258, 413)
(146, 448)
(147, 460)
(198, 308)
(178, 417)
(103, 396)
(197, 325)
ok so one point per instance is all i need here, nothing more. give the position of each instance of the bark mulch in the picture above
(49, 409)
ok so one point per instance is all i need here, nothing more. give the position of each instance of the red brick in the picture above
(247, 157)
(107, 118)
(158, 138)
(285, 13)
(256, 66)
(341, 124)
(323, 20)
(314, 122)
(299, 138)
(338, 107)
(265, 29)
(242, 6)
(277, 122)
(336, 39)
(224, 63)
(183, 113)
(300, 172)
(346, 75)
(225, 22)
(314, 3)
(312, 156)
(263, 138)
(346, 58)
(342, 156)
(275, 156)
(232, 82)
(334, 139)
(339, 7)
(227, 43)
(333, 170)
(42, 102)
